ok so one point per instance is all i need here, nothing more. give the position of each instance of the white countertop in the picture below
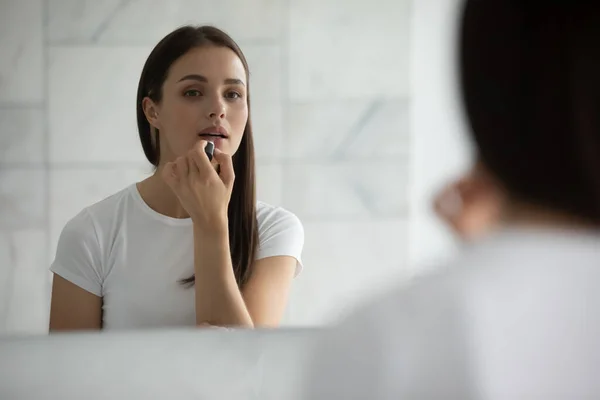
(162, 364)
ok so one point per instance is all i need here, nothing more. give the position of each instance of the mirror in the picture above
(341, 139)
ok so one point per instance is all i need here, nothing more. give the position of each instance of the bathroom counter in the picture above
(163, 364)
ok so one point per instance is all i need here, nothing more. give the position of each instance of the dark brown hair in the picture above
(530, 74)
(243, 231)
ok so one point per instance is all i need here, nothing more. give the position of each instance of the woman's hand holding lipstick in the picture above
(203, 192)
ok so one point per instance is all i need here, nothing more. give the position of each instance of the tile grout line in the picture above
(398, 158)
(409, 98)
(30, 105)
(47, 181)
(285, 117)
(9, 287)
(63, 44)
(285, 94)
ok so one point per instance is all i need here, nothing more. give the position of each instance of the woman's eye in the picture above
(233, 95)
(192, 93)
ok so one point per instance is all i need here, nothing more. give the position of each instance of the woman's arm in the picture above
(218, 299)
(266, 292)
(73, 308)
(76, 302)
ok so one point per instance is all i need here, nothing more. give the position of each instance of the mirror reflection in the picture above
(115, 217)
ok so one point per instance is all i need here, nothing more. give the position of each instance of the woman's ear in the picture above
(151, 112)
(471, 205)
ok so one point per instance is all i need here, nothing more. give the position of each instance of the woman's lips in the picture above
(217, 140)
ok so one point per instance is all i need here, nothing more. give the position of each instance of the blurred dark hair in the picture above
(530, 74)
(243, 231)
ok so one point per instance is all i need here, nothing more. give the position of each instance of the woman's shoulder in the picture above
(101, 212)
(268, 216)
(280, 233)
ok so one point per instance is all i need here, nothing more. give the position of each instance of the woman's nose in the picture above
(216, 110)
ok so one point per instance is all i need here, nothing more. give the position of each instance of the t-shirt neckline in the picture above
(137, 197)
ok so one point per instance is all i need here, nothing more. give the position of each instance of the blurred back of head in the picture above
(530, 74)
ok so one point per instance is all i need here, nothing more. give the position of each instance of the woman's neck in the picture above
(158, 196)
(523, 214)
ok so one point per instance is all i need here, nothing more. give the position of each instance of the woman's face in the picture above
(203, 97)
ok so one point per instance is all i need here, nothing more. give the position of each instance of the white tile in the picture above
(92, 104)
(267, 100)
(78, 21)
(268, 131)
(145, 22)
(22, 136)
(74, 189)
(22, 198)
(347, 190)
(269, 183)
(264, 62)
(347, 129)
(344, 264)
(348, 49)
(25, 282)
(21, 46)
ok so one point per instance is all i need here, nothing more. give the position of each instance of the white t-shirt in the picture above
(133, 257)
(517, 317)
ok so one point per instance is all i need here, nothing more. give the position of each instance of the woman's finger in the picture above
(226, 172)
(201, 160)
(182, 167)
(192, 167)
(170, 174)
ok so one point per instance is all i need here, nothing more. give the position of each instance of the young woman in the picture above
(517, 315)
(190, 245)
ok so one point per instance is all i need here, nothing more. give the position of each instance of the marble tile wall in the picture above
(330, 109)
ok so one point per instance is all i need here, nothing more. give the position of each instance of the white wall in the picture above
(440, 150)
(331, 95)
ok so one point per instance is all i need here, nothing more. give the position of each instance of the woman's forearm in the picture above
(218, 298)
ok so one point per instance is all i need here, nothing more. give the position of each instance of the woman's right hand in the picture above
(202, 192)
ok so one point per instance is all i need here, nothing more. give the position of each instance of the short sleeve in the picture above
(280, 233)
(78, 254)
